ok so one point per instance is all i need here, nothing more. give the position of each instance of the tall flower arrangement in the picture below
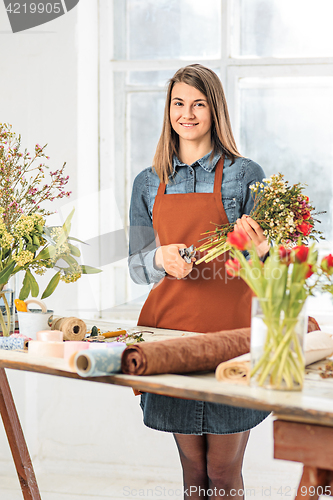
(281, 285)
(284, 212)
(26, 243)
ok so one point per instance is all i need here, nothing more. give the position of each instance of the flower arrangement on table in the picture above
(26, 243)
(281, 286)
(283, 212)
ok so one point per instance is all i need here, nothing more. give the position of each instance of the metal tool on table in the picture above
(187, 253)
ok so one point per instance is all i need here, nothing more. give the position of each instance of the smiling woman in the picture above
(197, 176)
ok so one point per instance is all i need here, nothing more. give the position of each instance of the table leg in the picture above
(314, 482)
(16, 441)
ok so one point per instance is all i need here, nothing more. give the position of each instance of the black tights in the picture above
(212, 465)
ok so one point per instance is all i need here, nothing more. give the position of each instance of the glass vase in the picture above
(7, 313)
(278, 331)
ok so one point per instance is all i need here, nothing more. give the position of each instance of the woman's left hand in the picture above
(255, 233)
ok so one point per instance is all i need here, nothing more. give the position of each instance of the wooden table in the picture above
(302, 429)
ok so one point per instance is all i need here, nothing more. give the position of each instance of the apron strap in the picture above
(161, 188)
(219, 175)
(217, 180)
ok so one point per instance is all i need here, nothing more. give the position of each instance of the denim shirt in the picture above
(195, 178)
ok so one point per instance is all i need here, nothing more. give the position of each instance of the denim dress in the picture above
(166, 413)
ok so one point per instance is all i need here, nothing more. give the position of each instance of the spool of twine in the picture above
(72, 328)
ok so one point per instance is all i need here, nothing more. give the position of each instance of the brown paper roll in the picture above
(184, 355)
(72, 328)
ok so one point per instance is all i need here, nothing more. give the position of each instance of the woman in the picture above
(198, 177)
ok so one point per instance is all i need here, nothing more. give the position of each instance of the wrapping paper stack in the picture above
(72, 328)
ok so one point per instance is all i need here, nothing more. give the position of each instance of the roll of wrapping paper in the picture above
(51, 349)
(72, 328)
(13, 344)
(185, 354)
(99, 362)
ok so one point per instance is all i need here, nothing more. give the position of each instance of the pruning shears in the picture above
(187, 253)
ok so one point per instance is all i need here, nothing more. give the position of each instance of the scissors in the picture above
(187, 253)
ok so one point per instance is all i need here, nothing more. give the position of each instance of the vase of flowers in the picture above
(277, 343)
(26, 242)
(281, 287)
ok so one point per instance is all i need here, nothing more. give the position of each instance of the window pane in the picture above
(146, 117)
(156, 78)
(284, 28)
(159, 78)
(287, 127)
(170, 29)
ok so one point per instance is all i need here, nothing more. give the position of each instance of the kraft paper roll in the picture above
(185, 354)
(47, 349)
(99, 362)
(72, 328)
(50, 336)
(13, 343)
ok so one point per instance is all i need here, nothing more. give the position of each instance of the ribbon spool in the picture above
(72, 328)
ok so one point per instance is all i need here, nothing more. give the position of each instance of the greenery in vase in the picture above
(281, 285)
(26, 243)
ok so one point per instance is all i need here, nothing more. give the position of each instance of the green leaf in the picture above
(46, 253)
(33, 284)
(51, 286)
(76, 239)
(90, 270)
(25, 290)
(69, 259)
(6, 272)
(67, 224)
(74, 250)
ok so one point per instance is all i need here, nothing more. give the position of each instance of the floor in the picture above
(265, 478)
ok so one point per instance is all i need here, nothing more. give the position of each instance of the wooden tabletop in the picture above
(313, 404)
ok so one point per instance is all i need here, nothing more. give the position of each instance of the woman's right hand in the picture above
(167, 257)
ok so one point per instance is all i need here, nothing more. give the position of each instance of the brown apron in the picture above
(207, 300)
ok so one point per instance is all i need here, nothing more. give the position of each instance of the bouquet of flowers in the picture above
(282, 211)
(26, 243)
(281, 286)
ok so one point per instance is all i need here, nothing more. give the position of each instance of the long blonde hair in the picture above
(208, 83)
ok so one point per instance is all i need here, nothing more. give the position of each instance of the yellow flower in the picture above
(23, 258)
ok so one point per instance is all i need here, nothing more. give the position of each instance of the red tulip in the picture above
(306, 215)
(285, 255)
(238, 238)
(309, 271)
(327, 263)
(233, 267)
(301, 253)
(304, 228)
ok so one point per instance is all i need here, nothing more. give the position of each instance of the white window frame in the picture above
(232, 70)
